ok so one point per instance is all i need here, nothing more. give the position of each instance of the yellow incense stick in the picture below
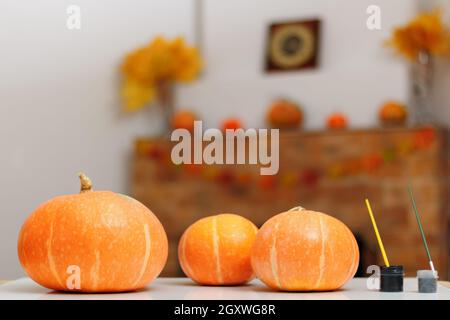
(380, 243)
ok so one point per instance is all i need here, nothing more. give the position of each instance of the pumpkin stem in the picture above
(298, 208)
(86, 184)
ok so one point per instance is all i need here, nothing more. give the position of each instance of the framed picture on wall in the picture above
(292, 45)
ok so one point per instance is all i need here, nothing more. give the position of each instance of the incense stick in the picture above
(419, 222)
(380, 243)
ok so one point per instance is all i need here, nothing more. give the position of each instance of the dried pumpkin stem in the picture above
(86, 184)
(298, 208)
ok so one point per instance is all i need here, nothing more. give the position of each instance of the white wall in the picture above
(356, 74)
(59, 88)
(59, 100)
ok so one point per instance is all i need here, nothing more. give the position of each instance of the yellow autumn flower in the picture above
(160, 61)
(425, 33)
(188, 64)
(135, 95)
(138, 65)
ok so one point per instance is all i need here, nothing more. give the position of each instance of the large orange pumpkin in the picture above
(95, 241)
(216, 250)
(284, 114)
(301, 250)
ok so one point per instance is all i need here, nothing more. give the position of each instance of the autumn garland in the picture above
(368, 163)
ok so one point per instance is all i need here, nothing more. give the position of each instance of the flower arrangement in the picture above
(419, 41)
(148, 70)
(425, 33)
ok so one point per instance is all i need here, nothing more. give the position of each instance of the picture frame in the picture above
(292, 45)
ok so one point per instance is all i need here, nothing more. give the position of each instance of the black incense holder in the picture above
(427, 281)
(391, 279)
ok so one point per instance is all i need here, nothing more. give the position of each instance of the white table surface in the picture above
(183, 288)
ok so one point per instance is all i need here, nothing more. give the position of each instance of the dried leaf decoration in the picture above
(158, 62)
(425, 33)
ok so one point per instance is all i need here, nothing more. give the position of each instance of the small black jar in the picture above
(391, 279)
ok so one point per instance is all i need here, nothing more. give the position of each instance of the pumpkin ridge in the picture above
(274, 257)
(95, 270)
(322, 253)
(21, 248)
(183, 255)
(355, 251)
(51, 260)
(146, 255)
(216, 249)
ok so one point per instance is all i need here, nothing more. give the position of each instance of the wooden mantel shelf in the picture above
(338, 132)
(328, 171)
(362, 130)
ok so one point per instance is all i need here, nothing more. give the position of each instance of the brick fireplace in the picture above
(331, 172)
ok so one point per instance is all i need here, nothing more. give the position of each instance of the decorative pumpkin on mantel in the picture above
(302, 250)
(337, 121)
(393, 113)
(231, 124)
(94, 241)
(183, 119)
(284, 114)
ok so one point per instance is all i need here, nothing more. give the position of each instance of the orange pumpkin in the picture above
(284, 114)
(337, 121)
(183, 119)
(231, 124)
(216, 250)
(301, 250)
(94, 241)
(393, 113)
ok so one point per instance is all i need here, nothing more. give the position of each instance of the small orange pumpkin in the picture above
(94, 241)
(393, 113)
(183, 119)
(337, 121)
(216, 250)
(284, 114)
(301, 250)
(231, 124)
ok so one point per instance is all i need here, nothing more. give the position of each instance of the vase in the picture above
(421, 95)
(165, 96)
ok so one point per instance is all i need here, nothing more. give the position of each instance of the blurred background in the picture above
(363, 112)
